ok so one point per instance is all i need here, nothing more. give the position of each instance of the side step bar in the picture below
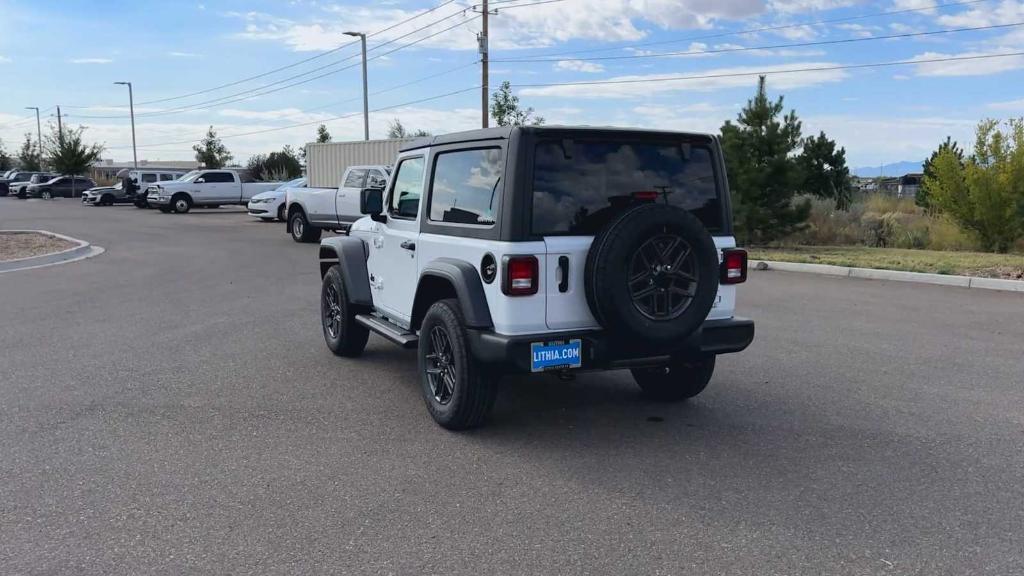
(392, 332)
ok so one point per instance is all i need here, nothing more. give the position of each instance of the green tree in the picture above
(824, 170)
(923, 196)
(985, 194)
(28, 155)
(763, 174)
(6, 163)
(67, 151)
(322, 135)
(283, 165)
(211, 152)
(396, 130)
(506, 111)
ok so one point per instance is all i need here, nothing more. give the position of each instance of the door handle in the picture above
(563, 273)
(411, 246)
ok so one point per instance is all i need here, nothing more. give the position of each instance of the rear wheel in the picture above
(46, 195)
(344, 336)
(280, 212)
(301, 230)
(678, 380)
(181, 204)
(458, 392)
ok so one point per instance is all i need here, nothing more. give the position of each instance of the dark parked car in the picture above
(60, 187)
(19, 187)
(17, 176)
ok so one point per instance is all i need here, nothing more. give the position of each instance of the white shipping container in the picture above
(325, 163)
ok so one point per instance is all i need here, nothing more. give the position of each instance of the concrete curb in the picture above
(897, 275)
(80, 251)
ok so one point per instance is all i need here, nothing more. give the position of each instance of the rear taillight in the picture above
(521, 277)
(734, 266)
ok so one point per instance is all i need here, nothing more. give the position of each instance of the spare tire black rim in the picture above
(663, 277)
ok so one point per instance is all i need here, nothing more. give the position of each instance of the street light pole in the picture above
(131, 108)
(39, 135)
(366, 96)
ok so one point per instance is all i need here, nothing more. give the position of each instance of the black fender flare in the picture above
(349, 254)
(469, 290)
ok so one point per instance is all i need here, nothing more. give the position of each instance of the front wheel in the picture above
(106, 200)
(181, 204)
(458, 392)
(678, 380)
(280, 213)
(143, 203)
(344, 336)
(301, 229)
(46, 195)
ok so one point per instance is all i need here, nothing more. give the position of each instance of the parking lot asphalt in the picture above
(169, 407)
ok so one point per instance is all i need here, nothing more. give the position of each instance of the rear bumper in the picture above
(602, 352)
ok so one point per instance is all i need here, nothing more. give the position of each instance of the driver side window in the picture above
(407, 189)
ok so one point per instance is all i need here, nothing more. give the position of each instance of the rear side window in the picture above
(218, 177)
(407, 189)
(164, 177)
(355, 178)
(465, 186)
(578, 186)
(149, 177)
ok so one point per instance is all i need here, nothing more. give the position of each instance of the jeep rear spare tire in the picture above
(652, 274)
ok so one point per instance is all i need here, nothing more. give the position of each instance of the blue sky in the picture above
(69, 53)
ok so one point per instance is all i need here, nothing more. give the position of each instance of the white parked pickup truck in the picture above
(312, 210)
(206, 188)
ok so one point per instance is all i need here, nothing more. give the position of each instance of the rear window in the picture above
(466, 186)
(578, 186)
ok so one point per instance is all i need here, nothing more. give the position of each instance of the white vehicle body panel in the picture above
(333, 208)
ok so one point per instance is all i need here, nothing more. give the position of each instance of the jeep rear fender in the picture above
(349, 254)
(447, 278)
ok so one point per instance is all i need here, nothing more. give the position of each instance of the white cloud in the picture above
(4, 59)
(90, 60)
(913, 5)
(539, 25)
(797, 33)
(1006, 12)
(1014, 105)
(578, 66)
(294, 115)
(801, 6)
(184, 55)
(975, 67)
(858, 30)
(699, 81)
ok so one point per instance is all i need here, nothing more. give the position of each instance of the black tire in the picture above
(458, 391)
(181, 204)
(280, 213)
(301, 230)
(4, 192)
(344, 336)
(141, 204)
(631, 242)
(679, 380)
(106, 200)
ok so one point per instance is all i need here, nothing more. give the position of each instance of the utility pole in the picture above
(131, 109)
(366, 96)
(39, 135)
(60, 127)
(484, 90)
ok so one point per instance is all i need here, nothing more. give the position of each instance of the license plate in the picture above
(555, 355)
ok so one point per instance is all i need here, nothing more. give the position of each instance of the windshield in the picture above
(189, 176)
(579, 189)
(296, 183)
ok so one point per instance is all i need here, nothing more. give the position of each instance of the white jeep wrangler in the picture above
(531, 249)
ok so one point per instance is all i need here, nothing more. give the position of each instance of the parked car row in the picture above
(43, 185)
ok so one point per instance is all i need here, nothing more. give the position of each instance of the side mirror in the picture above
(200, 180)
(371, 201)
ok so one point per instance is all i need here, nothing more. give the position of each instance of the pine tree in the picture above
(506, 111)
(763, 174)
(68, 153)
(322, 135)
(5, 159)
(211, 152)
(824, 170)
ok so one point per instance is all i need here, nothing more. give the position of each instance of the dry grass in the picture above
(1010, 266)
(14, 245)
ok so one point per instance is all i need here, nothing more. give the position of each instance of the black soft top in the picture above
(505, 132)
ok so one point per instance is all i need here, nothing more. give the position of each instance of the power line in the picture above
(320, 121)
(770, 47)
(252, 93)
(293, 65)
(766, 29)
(769, 72)
(25, 120)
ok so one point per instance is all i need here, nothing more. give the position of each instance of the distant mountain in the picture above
(894, 169)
